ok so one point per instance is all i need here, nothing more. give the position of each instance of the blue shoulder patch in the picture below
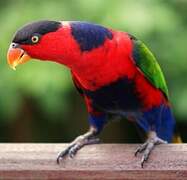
(89, 36)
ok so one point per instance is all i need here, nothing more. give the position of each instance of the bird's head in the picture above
(44, 40)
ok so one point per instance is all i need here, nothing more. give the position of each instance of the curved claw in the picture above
(148, 149)
(73, 148)
(148, 146)
(140, 149)
(62, 154)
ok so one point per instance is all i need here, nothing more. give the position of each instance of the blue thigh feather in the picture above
(159, 119)
(98, 121)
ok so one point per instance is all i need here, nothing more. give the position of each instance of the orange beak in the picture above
(16, 56)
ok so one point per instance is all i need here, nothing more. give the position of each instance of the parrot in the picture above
(114, 72)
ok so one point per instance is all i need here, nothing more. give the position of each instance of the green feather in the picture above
(148, 65)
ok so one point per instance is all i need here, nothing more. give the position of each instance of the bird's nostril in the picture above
(21, 55)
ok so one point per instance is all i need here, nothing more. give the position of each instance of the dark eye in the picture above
(14, 45)
(35, 39)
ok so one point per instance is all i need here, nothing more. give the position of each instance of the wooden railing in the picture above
(102, 161)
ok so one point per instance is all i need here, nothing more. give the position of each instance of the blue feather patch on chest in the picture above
(117, 97)
(89, 36)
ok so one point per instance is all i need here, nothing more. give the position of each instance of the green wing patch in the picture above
(148, 64)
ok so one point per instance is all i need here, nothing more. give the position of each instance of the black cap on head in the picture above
(24, 34)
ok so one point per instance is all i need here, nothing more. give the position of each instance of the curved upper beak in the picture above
(16, 56)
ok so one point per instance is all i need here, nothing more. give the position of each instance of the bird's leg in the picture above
(78, 143)
(148, 146)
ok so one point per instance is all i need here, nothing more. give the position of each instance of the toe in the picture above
(73, 150)
(58, 158)
(93, 141)
(141, 148)
(143, 160)
(160, 141)
(148, 146)
(63, 154)
(75, 146)
(147, 152)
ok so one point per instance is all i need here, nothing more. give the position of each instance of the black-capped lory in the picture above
(112, 70)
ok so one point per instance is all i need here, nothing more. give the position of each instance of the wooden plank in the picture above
(102, 161)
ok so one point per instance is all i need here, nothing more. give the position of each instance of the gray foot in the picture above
(77, 144)
(148, 146)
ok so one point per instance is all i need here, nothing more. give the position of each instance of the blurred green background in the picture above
(38, 102)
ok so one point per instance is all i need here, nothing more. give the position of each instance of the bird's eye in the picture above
(35, 39)
(13, 45)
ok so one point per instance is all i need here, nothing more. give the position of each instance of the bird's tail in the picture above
(176, 137)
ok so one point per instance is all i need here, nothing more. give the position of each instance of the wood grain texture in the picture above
(102, 161)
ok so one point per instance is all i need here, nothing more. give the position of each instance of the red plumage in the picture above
(105, 69)
(98, 67)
